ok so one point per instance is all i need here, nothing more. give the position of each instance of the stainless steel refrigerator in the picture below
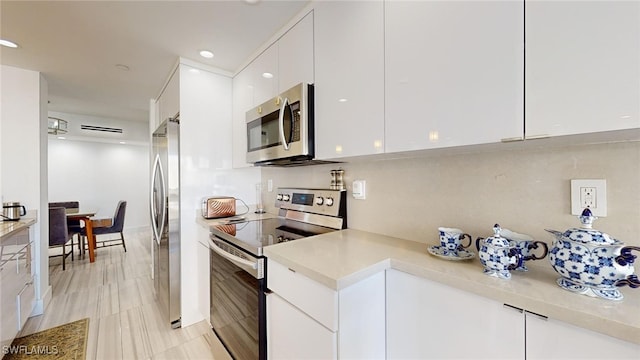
(165, 217)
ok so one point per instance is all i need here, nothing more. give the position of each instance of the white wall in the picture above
(99, 175)
(23, 103)
(133, 132)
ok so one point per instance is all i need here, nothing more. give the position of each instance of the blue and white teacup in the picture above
(525, 245)
(451, 240)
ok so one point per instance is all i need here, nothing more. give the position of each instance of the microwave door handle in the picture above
(285, 103)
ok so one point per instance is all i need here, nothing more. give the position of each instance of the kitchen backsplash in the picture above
(523, 190)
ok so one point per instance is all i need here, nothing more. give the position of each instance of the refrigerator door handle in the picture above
(157, 226)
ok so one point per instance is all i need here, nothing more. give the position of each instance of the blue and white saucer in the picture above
(442, 253)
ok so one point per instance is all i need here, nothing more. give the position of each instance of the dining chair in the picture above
(115, 228)
(59, 233)
(74, 226)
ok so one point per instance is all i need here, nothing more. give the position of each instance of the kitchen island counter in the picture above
(8, 228)
(343, 258)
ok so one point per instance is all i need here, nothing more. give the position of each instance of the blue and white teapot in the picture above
(592, 262)
(498, 255)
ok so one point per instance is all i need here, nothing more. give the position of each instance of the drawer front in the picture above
(292, 334)
(26, 300)
(313, 298)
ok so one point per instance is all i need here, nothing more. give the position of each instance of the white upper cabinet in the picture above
(263, 76)
(242, 101)
(169, 101)
(284, 64)
(295, 55)
(349, 91)
(454, 73)
(582, 66)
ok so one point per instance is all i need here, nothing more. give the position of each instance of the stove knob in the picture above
(329, 201)
(285, 197)
(280, 239)
(319, 200)
(279, 197)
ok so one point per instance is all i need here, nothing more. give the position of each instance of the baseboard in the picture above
(42, 303)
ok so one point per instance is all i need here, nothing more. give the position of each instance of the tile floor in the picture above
(116, 294)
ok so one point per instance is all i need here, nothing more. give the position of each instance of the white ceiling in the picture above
(76, 45)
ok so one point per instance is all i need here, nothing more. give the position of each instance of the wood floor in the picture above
(116, 294)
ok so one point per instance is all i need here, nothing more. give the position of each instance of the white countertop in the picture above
(342, 258)
(7, 228)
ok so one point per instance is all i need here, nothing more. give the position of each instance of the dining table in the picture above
(91, 221)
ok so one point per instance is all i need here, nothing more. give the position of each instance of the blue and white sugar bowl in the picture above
(498, 255)
(591, 262)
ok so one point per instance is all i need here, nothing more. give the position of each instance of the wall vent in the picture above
(101, 128)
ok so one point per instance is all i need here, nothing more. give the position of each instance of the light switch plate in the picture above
(591, 193)
(359, 189)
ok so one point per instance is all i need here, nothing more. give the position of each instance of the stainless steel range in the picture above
(238, 282)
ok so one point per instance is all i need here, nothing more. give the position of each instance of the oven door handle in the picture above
(233, 258)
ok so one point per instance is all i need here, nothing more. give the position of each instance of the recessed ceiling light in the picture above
(122, 67)
(194, 71)
(61, 137)
(122, 142)
(267, 75)
(342, 100)
(8, 43)
(206, 54)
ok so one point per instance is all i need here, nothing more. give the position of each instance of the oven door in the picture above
(238, 310)
(282, 127)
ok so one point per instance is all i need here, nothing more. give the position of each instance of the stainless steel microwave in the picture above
(280, 131)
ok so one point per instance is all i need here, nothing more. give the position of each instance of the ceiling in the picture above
(76, 45)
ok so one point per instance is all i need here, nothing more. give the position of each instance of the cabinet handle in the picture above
(513, 308)
(534, 137)
(290, 269)
(541, 317)
(513, 139)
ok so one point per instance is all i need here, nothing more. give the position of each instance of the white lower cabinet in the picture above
(292, 334)
(553, 339)
(428, 320)
(307, 320)
(17, 290)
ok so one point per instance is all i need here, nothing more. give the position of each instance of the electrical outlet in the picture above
(591, 193)
(588, 196)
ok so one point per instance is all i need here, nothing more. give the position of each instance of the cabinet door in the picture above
(428, 320)
(292, 334)
(264, 75)
(582, 72)
(454, 73)
(553, 339)
(242, 101)
(349, 92)
(169, 102)
(10, 285)
(25, 302)
(205, 111)
(295, 55)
